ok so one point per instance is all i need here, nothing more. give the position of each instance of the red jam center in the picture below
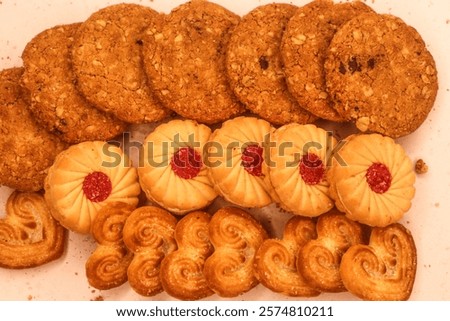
(312, 170)
(186, 162)
(97, 186)
(379, 178)
(252, 159)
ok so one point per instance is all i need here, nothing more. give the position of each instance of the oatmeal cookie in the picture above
(26, 149)
(254, 65)
(381, 75)
(107, 61)
(186, 62)
(55, 101)
(304, 46)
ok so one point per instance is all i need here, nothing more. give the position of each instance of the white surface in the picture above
(428, 219)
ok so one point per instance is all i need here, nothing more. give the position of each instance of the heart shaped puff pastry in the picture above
(383, 270)
(29, 236)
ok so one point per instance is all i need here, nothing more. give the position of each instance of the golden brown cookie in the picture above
(26, 149)
(84, 178)
(236, 236)
(55, 101)
(181, 271)
(383, 270)
(107, 62)
(236, 161)
(107, 266)
(254, 65)
(304, 47)
(300, 157)
(149, 234)
(381, 75)
(29, 236)
(319, 260)
(185, 62)
(375, 184)
(172, 172)
(276, 259)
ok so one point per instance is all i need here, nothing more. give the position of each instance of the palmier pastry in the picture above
(172, 173)
(300, 155)
(182, 271)
(375, 183)
(276, 260)
(107, 266)
(84, 178)
(149, 234)
(383, 270)
(236, 163)
(319, 259)
(29, 236)
(236, 236)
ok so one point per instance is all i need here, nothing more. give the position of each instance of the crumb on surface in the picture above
(29, 297)
(421, 167)
(98, 298)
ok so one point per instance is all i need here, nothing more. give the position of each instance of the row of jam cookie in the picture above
(183, 167)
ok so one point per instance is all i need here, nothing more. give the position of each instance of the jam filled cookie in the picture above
(173, 173)
(107, 266)
(236, 236)
(300, 155)
(84, 178)
(375, 185)
(106, 57)
(383, 270)
(236, 161)
(319, 259)
(55, 101)
(304, 47)
(276, 260)
(182, 270)
(254, 65)
(29, 235)
(185, 62)
(149, 234)
(381, 75)
(26, 149)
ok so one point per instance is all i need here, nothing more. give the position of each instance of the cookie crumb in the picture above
(30, 297)
(98, 298)
(421, 167)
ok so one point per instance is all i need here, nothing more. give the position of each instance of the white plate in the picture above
(428, 219)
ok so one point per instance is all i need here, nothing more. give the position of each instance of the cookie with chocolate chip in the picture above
(106, 57)
(254, 65)
(304, 47)
(381, 75)
(185, 62)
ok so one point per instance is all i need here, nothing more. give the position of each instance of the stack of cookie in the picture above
(236, 97)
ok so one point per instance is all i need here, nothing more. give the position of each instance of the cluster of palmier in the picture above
(229, 253)
(191, 258)
(333, 255)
